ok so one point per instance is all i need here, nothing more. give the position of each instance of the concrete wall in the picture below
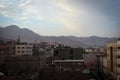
(63, 75)
(68, 53)
(24, 63)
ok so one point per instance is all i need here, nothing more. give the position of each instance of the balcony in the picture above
(118, 52)
(118, 69)
(118, 60)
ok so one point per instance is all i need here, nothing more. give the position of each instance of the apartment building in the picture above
(91, 50)
(113, 59)
(3, 48)
(68, 58)
(68, 53)
(7, 48)
(11, 47)
(89, 60)
(102, 50)
(23, 49)
(103, 63)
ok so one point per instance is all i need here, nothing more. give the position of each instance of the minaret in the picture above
(35, 42)
(18, 41)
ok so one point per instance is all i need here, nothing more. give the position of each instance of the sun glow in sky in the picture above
(63, 17)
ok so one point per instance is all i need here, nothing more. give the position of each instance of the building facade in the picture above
(68, 59)
(89, 60)
(7, 48)
(3, 48)
(68, 53)
(113, 59)
(23, 49)
(11, 47)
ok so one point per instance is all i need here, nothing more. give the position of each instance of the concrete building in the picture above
(43, 48)
(113, 59)
(103, 63)
(3, 48)
(23, 49)
(7, 48)
(68, 53)
(68, 59)
(89, 60)
(91, 50)
(11, 47)
(23, 67)
(102, 50)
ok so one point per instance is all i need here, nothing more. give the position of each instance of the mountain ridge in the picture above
(12, 32)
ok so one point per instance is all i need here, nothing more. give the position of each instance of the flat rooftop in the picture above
(68, 60)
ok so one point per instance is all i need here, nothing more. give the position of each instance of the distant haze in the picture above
(63, 17)
(12, 32)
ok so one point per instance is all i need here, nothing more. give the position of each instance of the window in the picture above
(71, 57)
(18, 51)
(118, 47)
(118, 73)
(23, 47)
(118, 65)
(46, 62)
(28, 47)
(18, 47)
(57, 63)
(13, 48)
(71, 52)
(56, 53)
(23, 51)
(118, 56)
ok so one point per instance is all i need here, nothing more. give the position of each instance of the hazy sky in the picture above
(63, 17)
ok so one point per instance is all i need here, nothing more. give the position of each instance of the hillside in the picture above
(12, 32)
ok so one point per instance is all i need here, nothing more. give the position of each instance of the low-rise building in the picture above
(89, 60)
(23, 49)
(3, 48)
(68, 53)
(68, 58)
(7, 47)
(102, 50)
(43, 48)
(91, 50)
(11, 47)
(103, 64)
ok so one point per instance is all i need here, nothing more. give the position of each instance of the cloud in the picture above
(60, 11)
(70, 15)
(12, 8)
(52, 11)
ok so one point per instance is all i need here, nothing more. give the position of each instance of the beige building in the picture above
(102, 51)
(89, 50)
(23, 49)
(103, 63)
(113, 59)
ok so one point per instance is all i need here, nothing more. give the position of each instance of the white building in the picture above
(23, 49)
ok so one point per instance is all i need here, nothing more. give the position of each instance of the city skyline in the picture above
(64, 17)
